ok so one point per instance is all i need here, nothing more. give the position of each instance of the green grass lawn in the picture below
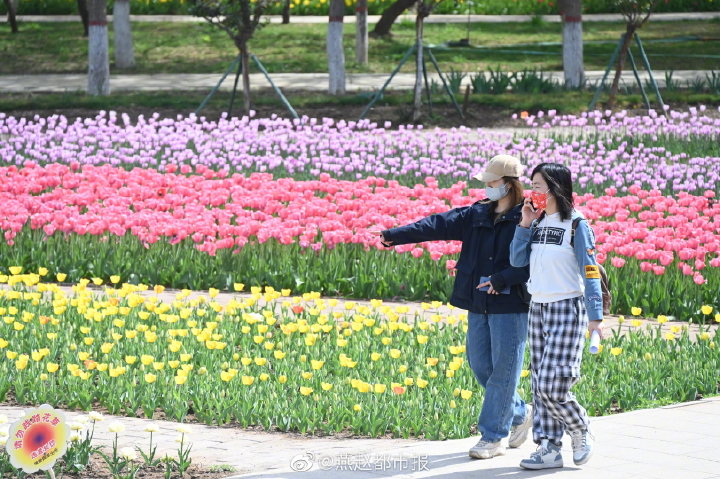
(197, 48)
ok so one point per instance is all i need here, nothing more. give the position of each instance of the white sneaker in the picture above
(547, 456)
(485, 449)
(582, 445)
(519, 433)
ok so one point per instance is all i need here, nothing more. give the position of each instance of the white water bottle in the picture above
(595, 342)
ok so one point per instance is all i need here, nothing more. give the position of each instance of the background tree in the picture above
(389, 15)
(98, 61)
(636, 14)
(124, 52)
(286, 12)
(361, 32)
(84, 15)
(571, 13)
(11, 7)
(424, 8)
(335, 52)
(240, 19)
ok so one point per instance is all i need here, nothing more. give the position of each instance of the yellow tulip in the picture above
(60, 277)
(248, 380)
(636, 311)
(705, 309)
(616, 351)
(465, 394)
(180, 380)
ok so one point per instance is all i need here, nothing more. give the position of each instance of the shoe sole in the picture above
(523, 432)
(537, 467)
(477, 455)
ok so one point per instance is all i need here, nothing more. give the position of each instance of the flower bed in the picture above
(296, 363)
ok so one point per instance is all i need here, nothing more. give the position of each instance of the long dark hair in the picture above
(516, 189)
(559, 181)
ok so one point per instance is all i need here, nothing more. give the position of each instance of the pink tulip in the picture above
(617, 262)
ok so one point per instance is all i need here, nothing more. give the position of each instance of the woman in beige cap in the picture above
(493, 292)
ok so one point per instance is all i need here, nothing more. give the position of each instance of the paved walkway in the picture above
(669, 442)
(70, 82)
(593, 17)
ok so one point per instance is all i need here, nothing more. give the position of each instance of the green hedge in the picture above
(375, 7)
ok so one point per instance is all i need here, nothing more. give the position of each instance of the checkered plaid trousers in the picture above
(557, 337)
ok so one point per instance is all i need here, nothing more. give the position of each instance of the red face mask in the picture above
(539, 199)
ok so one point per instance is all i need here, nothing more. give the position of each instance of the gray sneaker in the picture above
(485, 449)
(582, 445)
(547, 456)
(519, 433)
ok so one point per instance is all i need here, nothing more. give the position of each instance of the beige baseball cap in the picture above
(499, 166)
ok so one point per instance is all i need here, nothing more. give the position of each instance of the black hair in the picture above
(559, 181)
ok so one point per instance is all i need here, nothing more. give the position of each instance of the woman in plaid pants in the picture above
(566, 301)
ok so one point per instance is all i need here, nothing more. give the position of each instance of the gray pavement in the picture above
(681, 440)
(356, 83)
(594, 17)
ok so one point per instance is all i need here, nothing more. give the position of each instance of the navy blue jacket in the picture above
(485, 252)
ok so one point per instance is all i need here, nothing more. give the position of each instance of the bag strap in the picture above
(575, 224)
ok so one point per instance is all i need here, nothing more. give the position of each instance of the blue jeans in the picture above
(495, 351)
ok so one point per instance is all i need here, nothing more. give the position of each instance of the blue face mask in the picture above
(496, 194)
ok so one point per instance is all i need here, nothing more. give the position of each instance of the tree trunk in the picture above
(84, 15)
(11, 7)
(335, 53)
(417, 93)
(98, 62)
(286, 12)
(124, 53)
(629, 33)
(571, 13)
(361, 32)
(391, 13)
(245, 62)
